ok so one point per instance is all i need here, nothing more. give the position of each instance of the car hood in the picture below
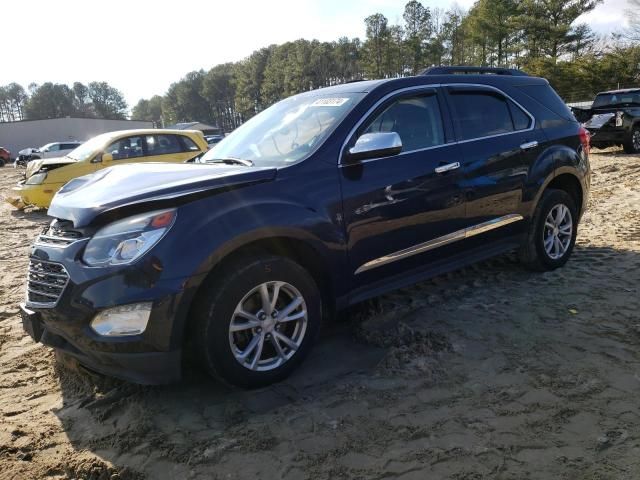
(35, 165)
(27, 151)
(116, 192)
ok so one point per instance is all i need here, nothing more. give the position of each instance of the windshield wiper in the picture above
(232, 161)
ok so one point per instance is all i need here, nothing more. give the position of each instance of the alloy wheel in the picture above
(558, 231)
(635, 139)
(268, 326)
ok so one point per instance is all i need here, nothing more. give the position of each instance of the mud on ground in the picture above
(488, 372)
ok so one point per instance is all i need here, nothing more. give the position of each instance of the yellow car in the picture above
(45, 177)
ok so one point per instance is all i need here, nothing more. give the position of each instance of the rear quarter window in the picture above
(546, 96)
(188, 145)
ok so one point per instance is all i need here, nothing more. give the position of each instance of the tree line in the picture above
(56, 100)
(539, 36)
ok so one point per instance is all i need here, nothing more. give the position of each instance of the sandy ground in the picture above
(489, 372)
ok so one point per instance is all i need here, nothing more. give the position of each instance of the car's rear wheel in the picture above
(257, 320)
(552, 232)
(632, 144)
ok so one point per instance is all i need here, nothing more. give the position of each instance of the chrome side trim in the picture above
(492, 224)
(441, 241)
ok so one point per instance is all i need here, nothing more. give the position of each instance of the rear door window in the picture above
(162, 144)
(480, 114)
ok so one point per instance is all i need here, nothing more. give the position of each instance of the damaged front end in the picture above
(607, 128)
(33, 189)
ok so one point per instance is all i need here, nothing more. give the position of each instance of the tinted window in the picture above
(128, 147)
(54, 148)
(617, 99)
(521, 120)
(416, 119)
(162, 144)
(189, 145)
(481, 114)
(69, 146)
(546, 96)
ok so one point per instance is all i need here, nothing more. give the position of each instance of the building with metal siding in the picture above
(35, 133)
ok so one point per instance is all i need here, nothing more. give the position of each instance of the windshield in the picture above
(612, 99)
(90, 148)
(285, 132)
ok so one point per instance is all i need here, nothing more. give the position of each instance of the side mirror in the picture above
(375, 145)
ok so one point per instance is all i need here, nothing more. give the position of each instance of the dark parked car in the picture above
(5, 156)
(213, 139)
(613, 119)
(324, 200)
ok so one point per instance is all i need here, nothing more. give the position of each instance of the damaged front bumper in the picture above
(38, 195)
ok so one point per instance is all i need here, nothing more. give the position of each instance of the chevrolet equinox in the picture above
(319, 202)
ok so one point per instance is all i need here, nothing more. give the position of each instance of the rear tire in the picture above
(632, 144)
(552, 232)
(256, 320)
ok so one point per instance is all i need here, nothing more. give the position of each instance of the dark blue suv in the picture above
(324, 200)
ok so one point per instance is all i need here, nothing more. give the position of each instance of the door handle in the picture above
(448, 167)
(529, 145)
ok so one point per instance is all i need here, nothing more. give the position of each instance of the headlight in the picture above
(36, 179)
(127, 240)
(122, 321)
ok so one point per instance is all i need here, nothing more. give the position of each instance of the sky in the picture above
(142, 46)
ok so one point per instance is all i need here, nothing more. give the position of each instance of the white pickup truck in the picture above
(50, 150)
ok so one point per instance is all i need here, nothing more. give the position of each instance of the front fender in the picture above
(210, 237)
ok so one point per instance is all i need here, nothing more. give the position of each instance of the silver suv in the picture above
(50, 150)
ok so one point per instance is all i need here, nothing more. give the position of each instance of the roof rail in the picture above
(471, 70)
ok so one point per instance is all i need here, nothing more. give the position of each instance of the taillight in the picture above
(585, 139)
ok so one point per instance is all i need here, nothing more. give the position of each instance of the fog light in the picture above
(122, 321)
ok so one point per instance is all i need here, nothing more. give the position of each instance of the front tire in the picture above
(256, 320)
(552, 232)
(632, 143)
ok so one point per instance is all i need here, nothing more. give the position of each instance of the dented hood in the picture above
(147, 186)
(49, 164)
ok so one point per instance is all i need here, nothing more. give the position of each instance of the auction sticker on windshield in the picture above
(329, 102)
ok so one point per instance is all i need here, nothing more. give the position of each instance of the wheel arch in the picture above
(306, 253)
(569, 183)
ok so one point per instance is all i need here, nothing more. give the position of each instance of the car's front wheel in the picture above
(552, 232)
(257, 320)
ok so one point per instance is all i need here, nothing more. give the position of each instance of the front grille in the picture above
(45, 282)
